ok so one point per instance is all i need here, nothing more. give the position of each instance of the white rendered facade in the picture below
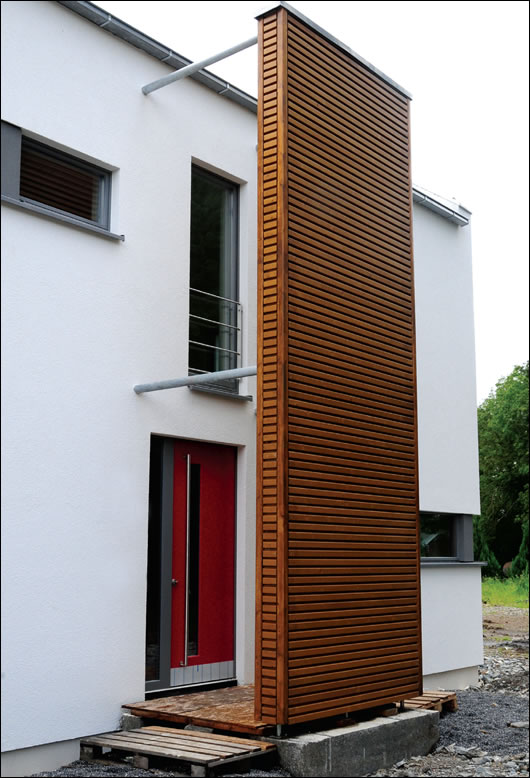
(85, 318)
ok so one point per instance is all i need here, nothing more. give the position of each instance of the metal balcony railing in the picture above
(214, 337)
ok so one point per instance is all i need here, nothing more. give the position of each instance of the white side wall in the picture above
(451, 617)
(28, 761)
(84, 319)
(447, 441)
(445, 358)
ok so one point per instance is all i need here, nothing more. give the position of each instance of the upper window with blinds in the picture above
(64, 183)
(54, 183)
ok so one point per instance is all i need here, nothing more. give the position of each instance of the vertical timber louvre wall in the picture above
(338, 601)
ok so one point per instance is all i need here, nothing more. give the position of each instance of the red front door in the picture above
(202, 608)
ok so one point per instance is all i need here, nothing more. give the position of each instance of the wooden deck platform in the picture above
(204, 751)
(436, 700)
(230, 709)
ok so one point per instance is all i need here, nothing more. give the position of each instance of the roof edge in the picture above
(310, 23)
(129, 34)
(106, 21)
(449, 209)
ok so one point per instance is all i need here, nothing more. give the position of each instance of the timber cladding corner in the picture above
(338, 596)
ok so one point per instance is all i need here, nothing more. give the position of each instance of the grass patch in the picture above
(505, 591)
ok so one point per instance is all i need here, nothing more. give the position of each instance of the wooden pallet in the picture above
(202, 750)
(436, 700)
(230, 709)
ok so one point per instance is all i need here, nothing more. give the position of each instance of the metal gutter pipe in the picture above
(203, 378)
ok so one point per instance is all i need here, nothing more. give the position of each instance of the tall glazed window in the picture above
(215, 312)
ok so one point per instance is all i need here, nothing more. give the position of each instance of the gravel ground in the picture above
(477, 740)
(482, 722)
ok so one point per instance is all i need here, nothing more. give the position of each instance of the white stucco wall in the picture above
(445, 354)
(451, 617)
(84, 319)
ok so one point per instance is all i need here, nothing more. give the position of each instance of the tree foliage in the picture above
(501, 531)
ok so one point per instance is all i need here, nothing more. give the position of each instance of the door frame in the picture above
(166, 495)
(166, 561)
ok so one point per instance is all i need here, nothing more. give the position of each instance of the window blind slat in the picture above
(59, 183)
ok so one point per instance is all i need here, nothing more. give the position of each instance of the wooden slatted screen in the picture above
(338, 600)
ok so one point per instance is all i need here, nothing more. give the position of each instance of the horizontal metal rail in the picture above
(190, 380)
(212, 321)
(195, 66)
(215, 296)
(217, 348)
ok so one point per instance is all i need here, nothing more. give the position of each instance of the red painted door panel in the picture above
(211, 553)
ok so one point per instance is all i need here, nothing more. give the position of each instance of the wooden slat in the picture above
(178, 741)
(237, 743)
(270, 322)
(138, 747)
(199, 748)
(338, 551)
(230, 709)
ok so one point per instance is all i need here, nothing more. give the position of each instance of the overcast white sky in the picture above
(466, 65)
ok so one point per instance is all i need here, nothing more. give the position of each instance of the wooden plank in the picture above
(196, 748)
(282, 398)
(118, 744)
(165, 736)
(267, 322)
(373, 88)
(346, 704)
(309, 162)
(211, 736)
(183, 745)
(448, 700)
(230, 708)
(365, 95)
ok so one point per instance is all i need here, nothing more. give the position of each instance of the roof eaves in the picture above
(450, 210)
(135, 37)
(93, 13)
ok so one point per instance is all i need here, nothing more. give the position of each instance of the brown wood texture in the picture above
(338, 600)
(271, 579)
(193, 747)
(230, 709)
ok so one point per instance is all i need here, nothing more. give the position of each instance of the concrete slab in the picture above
(128, 722)
(360, 748)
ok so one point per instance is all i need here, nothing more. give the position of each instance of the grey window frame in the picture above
(233, 294)
(12, 139)
(462, 539)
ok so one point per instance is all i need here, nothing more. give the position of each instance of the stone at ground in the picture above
(357, 749)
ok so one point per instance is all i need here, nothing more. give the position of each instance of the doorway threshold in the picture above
(205, 686)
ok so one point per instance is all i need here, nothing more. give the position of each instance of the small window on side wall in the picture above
(64, 183)
(446, 537)
(437, 536)
(56, 183)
